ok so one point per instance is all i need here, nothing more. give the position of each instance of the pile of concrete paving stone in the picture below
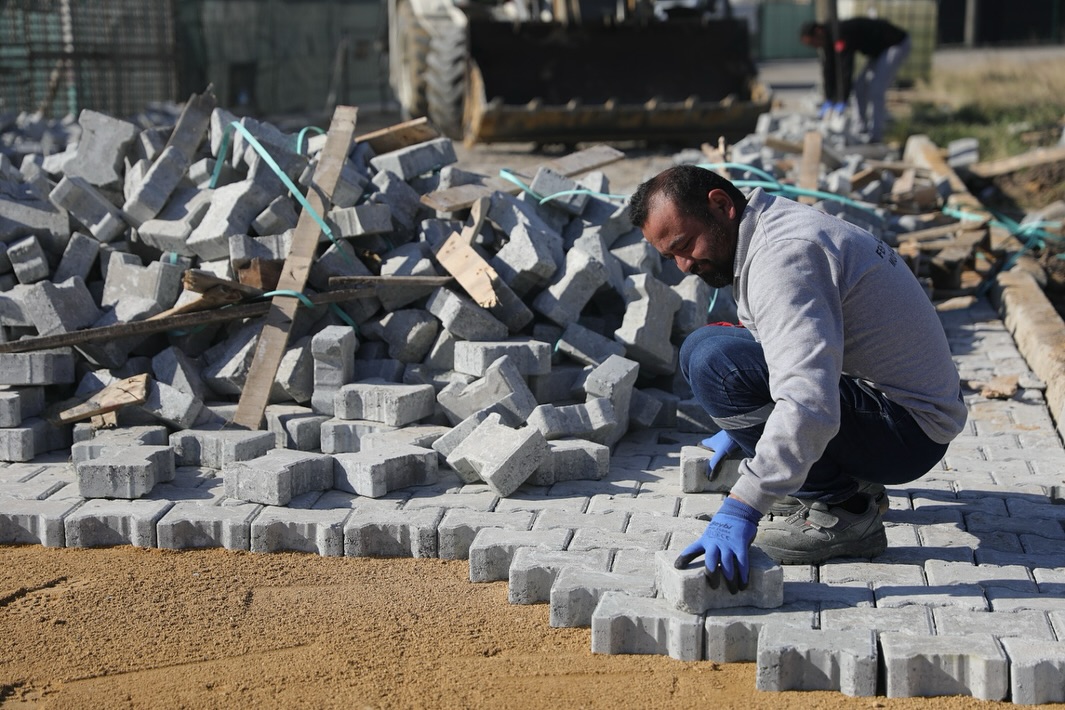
(384, 415)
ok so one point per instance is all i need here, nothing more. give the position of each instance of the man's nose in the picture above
(684, 264)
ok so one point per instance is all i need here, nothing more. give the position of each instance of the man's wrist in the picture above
(738, 509)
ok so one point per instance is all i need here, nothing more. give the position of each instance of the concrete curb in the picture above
(1038, 331)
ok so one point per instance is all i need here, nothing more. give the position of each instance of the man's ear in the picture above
(721, 204)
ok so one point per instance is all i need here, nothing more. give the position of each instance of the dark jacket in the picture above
(861, 34)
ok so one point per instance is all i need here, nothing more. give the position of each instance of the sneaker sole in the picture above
(867, 548)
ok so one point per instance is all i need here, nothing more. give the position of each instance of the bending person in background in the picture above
(886, 47)
(840, 381)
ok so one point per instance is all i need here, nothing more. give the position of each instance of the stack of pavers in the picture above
(551, 443)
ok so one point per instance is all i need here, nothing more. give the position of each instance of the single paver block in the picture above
(277, 477)
(195, 526)
(502, 457)
(103, 523)
(375, 473)
(391, 404)
(317, 531)
(688, 590)
(695, 476)
(214, 448)
(392, 533)
(1037, 671)
(35, 522)
(790, 658)
(129, 472)
(623, 623)
(973, 664)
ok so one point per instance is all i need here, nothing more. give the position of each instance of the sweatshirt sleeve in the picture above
(797, 304)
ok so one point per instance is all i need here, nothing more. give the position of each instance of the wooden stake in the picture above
(274, 336)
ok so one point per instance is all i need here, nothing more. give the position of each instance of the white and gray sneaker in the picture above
(821, 532)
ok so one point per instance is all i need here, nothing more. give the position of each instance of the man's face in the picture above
(704, 248)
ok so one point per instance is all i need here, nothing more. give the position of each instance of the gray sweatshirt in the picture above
(826, 298)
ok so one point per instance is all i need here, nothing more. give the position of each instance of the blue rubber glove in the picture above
(725, 544)
(722, 445)
(839, 108)
(825, 108)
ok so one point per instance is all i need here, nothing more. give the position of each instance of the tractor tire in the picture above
(414, 53)
(445, 79)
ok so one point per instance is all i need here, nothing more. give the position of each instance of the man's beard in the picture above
(716, 274)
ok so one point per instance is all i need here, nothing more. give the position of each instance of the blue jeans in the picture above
(878, 441)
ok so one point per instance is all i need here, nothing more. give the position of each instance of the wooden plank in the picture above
(1031, 159)
(462, 197)
(462, 261)
(810, 167)
(401, 135)
(204, 281)
(921, 151)
(115, 396)
(273, 339)
(182, 321)
(349, 281)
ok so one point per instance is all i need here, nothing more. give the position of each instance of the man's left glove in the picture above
(725, 544)
(722, 445)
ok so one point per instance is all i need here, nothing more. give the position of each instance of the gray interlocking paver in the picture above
(791, 658)
(191, 525)
(278, 528)
(1037, 671)
(687, 588)
(972, 664)
(1027, 624)
(622, 623)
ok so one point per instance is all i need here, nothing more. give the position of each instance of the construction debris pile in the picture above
(443, 319)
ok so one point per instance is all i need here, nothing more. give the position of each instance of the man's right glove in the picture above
(826, 107)
(725, 544)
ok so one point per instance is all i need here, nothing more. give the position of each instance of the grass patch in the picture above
(1009, 107)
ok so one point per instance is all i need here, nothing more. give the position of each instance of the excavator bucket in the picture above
(685, 79)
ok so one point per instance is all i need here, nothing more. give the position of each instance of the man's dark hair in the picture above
(811, 28)
(686, 186)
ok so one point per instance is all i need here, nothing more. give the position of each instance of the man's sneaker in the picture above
(789, 505)
(821, 532)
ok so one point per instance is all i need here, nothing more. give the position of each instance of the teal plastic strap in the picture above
(281, 176)
(303, 298)
(339, 312)
(507, 175)
(593, 193)
(306, 301)
(303, 134)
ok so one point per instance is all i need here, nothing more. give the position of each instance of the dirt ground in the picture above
(130, 627)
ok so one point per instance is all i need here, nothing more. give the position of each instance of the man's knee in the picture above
(706, 348)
